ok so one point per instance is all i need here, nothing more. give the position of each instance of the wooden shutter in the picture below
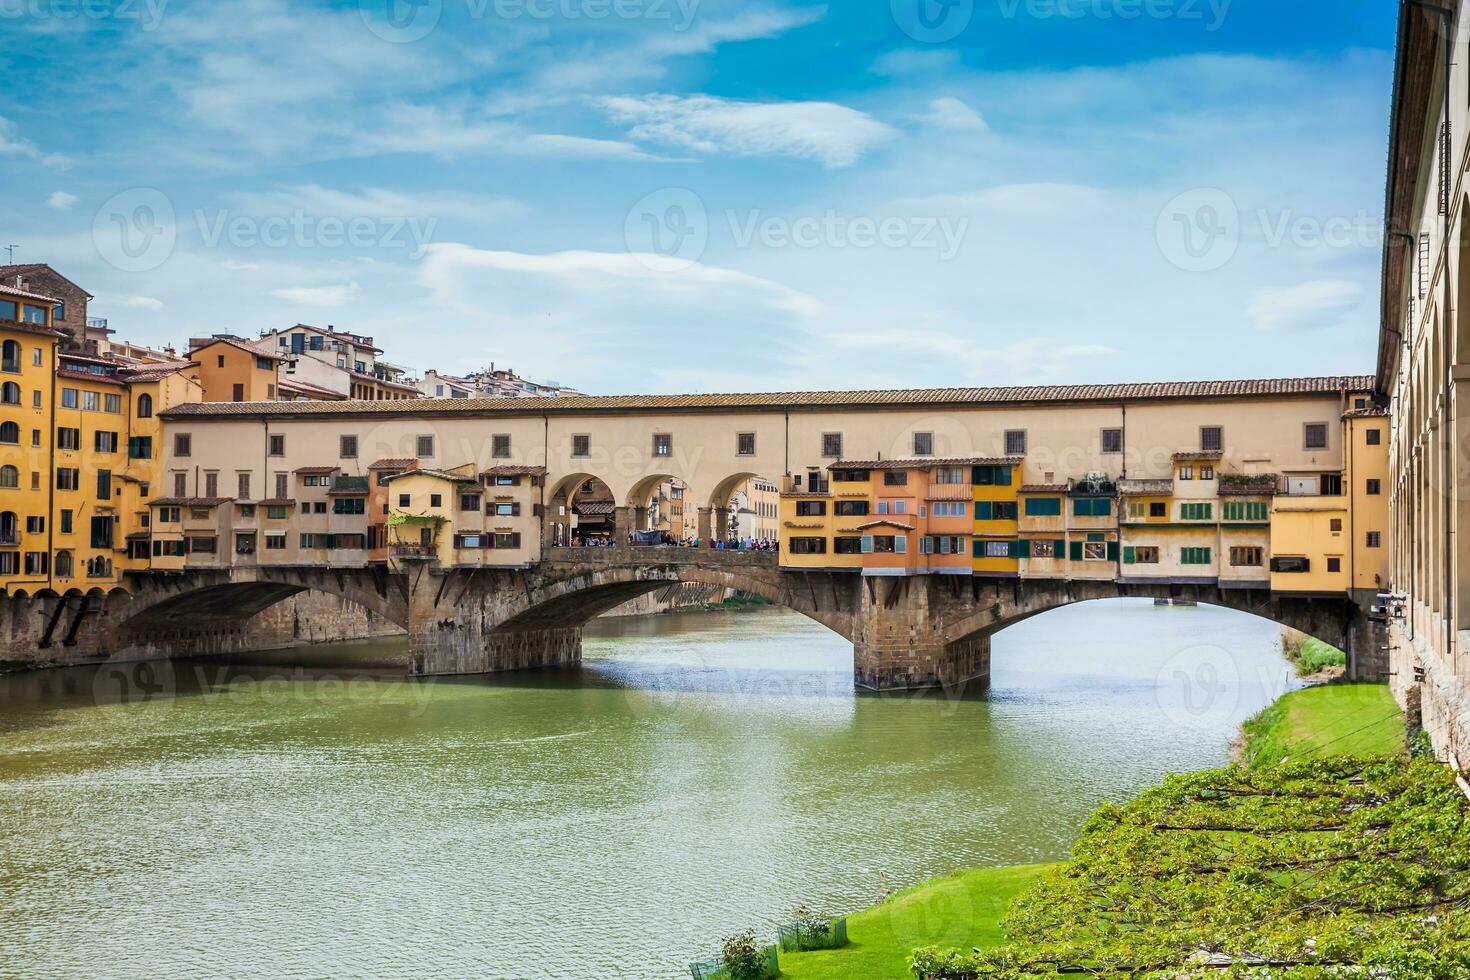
(1076, 551)
(1112, 551)
(983, 510)
(1129, 555)
(1020, 549)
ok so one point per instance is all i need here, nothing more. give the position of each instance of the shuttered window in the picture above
(1043, 507)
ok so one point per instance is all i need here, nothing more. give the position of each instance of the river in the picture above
(702, 773)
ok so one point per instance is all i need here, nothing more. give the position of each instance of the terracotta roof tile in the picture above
(277, 502)
(1203, 455)
(925, 462)
(1044, 488)
(395, 463)
(776, 401)
(190, 501)
(316, 470)
(514, 471)
(20, 326)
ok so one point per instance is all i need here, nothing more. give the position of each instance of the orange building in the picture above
(234, 370)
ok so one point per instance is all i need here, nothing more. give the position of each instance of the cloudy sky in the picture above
(718, 195)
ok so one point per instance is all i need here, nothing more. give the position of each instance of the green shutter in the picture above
(1076, 551)
(1112, 551)
(1129, 555)
(1002, 476)
(978, 549)
(1020, 549)
(1059, 551)
(983, 510)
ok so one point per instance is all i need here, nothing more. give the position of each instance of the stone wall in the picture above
(309, 618)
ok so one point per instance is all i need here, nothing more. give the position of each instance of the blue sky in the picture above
(703, 195)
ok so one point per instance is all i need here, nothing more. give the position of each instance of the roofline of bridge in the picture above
(811, 401)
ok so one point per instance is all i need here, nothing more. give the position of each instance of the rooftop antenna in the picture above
(10, 254)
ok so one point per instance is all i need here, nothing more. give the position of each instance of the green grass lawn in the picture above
(962, 909)
(1334, 719)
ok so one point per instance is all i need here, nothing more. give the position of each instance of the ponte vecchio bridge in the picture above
(915, 523)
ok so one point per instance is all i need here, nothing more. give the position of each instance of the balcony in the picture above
(419, 552)
(350, 483)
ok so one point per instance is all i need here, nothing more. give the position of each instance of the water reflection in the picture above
(700, 774)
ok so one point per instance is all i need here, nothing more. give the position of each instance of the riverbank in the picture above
(1316, 722)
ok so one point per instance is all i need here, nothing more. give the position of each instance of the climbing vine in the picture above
(1318, 869)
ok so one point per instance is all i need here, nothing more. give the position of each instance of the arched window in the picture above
(65, 566)
(145, 406)
(10, 393)
(10, 433)
(9, 478)
(10, 356)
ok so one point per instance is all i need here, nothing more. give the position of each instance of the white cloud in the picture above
(953, 114)
(832, 134)
(61, 200)
(12, 144)
(335, 295)
(375, 202)
(142, 303)
(1306, 306)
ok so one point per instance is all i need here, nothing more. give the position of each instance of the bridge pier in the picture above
(899, 643)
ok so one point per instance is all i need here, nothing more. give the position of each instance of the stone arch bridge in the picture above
(907, 633)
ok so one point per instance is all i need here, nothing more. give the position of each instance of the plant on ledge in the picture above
(1314, 870)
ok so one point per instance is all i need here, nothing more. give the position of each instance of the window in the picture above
(242, 483)
(832, 445)
(181, 484)
(885, 544)
(991, 476)
(1246, 510)
(851, 476)
(140, 447)
(745, 443)
(469, 501)
(507, 510)
(347, 447)
(403, 500)
(105, 442)
(1196, 512)
(849, 508)
(1375, 487)
(66, 522)
(183, 444)
(1211, 439)
(1194, 556)
(351, 505)
(67, 478)
(1158, 508)
(10, 356)
(211, 484)
(1335, 525)
(948, 508)
(275, 541)
(35, 525)
(9, 562)
(1186, 472)
(36, 563)
(145, 406)
(91, 401)
(1112, 440)
(1094, 551)
(104, 484)
(809, 546)
(1092, 506)
(10, 393)
(102, 532)
(923, 444)
(1315, 435)
(1141, 555)
(204, 545)
(581, 446)
(65, 565)
(1375, 539)
(112, 403)
(500, 446)
(68, 398)
(436, 500)
(1206, 472)
(282, 482)
(1044, 549)
(846, 546)
(1334, 564)
(1330, 484)
(811, 508)
(1016, 442)
(995, 510)
(277, 445)
(950, 475)
(1043, 506)
(68, 439)
(1246, 557)
(663, 444)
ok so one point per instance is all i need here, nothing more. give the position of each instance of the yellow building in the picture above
(91, 458)
(821, 516)
(1366, 438)
(28, 344)
(995, 488)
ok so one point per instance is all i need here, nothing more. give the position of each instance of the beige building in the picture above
(1424, 373)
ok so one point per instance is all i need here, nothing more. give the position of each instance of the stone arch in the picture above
(561, 503)
(574, 600)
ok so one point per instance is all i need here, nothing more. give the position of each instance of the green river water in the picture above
(702, 773)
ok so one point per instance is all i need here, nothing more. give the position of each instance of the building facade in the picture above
(1423, 375)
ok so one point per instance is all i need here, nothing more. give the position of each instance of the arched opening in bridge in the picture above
(580, 512)
(655, 510)
(744, 510)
